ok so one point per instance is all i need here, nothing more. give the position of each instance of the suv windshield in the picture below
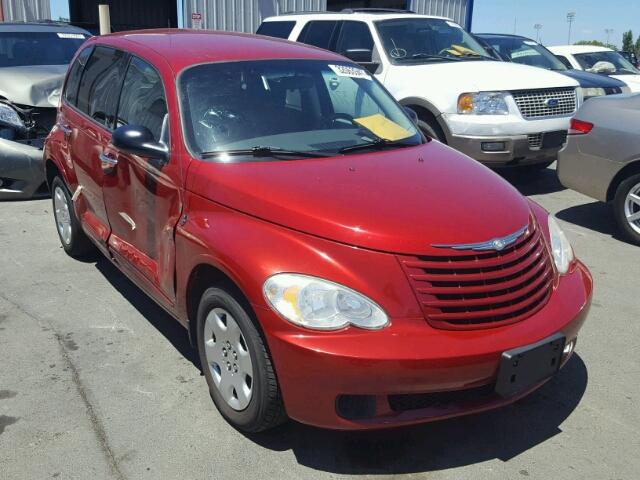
(21, 49)
(524, 51)
(606, 62)
(428, 39)
(288, 108)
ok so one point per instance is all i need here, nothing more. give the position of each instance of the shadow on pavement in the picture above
(533, 182)
(155, 315)
(501, 434)
(596, 216)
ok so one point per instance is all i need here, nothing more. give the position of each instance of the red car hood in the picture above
(399, 201)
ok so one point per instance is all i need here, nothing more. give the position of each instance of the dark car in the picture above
(517, 49)
(33, 61)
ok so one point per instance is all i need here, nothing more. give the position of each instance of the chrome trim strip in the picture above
(498, 244)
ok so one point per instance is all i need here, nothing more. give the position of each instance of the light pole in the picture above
(538, 27)
(570, 17)
(608, 31)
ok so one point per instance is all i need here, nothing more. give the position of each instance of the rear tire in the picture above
(626, 208)
(73, 239)
(236, 364)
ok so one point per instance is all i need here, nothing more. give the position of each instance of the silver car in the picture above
(602, 157)
(33, 61)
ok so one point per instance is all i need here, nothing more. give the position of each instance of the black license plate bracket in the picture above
(523, 367)
(554, 139)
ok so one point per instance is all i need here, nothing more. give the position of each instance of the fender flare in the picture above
(432, 109)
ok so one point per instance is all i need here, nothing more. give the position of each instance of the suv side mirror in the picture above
(362, 56)
(138, 140)
(411, 113)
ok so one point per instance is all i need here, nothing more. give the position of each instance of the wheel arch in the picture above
(629, 169)
(424, 108)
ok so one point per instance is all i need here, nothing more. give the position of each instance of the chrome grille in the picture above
(539, 103)
(470, 290)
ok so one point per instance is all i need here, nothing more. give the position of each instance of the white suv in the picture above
(502, 114)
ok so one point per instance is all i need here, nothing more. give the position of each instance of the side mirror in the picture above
(412, 114)
(138, 140)
(362, 56)
(603, 67)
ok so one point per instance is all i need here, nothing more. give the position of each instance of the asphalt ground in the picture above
(97, 382)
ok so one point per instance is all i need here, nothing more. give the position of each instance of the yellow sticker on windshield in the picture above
(460, 50)
(382, 127)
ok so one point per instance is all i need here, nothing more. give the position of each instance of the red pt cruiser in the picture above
(331, 263)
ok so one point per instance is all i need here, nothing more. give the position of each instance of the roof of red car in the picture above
(181, 47)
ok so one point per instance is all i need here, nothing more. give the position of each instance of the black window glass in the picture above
(318, 33)
(100, 84)
(142, 101)
(20, 49)
(73, 79)
(276, 29)
(354, 36)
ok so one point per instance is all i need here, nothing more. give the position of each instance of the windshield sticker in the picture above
(349, 71)
(452, 24)
(530, 42)
(382, 127)
(77, 36)
(524, 53)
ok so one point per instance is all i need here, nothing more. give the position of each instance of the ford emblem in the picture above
(552, 102)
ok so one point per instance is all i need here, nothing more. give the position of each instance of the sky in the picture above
(500, 16)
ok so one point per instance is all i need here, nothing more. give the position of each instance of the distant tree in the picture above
(627, 41)
(638, 46)
(597, 43)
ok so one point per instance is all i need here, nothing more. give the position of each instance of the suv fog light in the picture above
(493, 146)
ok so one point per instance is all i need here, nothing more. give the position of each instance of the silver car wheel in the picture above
(63, 217)
(632, 208)
(228, 358)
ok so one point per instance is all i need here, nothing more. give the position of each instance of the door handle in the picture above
(108, 163)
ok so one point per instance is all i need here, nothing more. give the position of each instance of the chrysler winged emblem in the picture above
(494, 244)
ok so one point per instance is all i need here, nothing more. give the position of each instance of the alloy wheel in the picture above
(632, 208)
(63, 216)
(228, 358)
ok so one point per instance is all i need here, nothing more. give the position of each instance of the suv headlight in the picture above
(560, 247)
(9, 117)
(625, 89)
(315, 303)
(592, 92)
(483, 103)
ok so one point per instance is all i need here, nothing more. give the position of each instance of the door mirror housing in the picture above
(412, 114)
(363, 57)
(138, 140)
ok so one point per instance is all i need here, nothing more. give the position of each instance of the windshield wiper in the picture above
(261, 151)
(378, 143)
(429, 56)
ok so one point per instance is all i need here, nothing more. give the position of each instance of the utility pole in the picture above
(538, 27)
(570, 17)
(608, 31)
(515, 24)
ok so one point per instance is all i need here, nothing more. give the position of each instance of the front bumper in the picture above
(21, 170)
(521, 138)
(402, 363)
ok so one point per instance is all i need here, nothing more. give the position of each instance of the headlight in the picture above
(54, 97)
(560, 247)
(625, 89)
(592, 92)
(9, 117)
(483, 103)
(320, 304)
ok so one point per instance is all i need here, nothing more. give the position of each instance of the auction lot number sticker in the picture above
(348, 71)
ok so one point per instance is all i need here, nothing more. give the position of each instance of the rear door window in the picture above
(354, 36)
(319, 33)
(142, 101)
(100, 84)
(276, 29)
(75, 72)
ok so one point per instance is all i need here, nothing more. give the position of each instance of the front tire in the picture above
(626, 208)
(236, 364)
(431, 129)
(73, 239)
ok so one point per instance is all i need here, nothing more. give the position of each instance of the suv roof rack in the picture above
(376, 10)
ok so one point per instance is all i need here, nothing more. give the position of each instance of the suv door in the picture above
(142, 194)
(88, 116)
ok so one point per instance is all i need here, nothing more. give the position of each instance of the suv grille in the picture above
(475, 290)
(546, 103)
